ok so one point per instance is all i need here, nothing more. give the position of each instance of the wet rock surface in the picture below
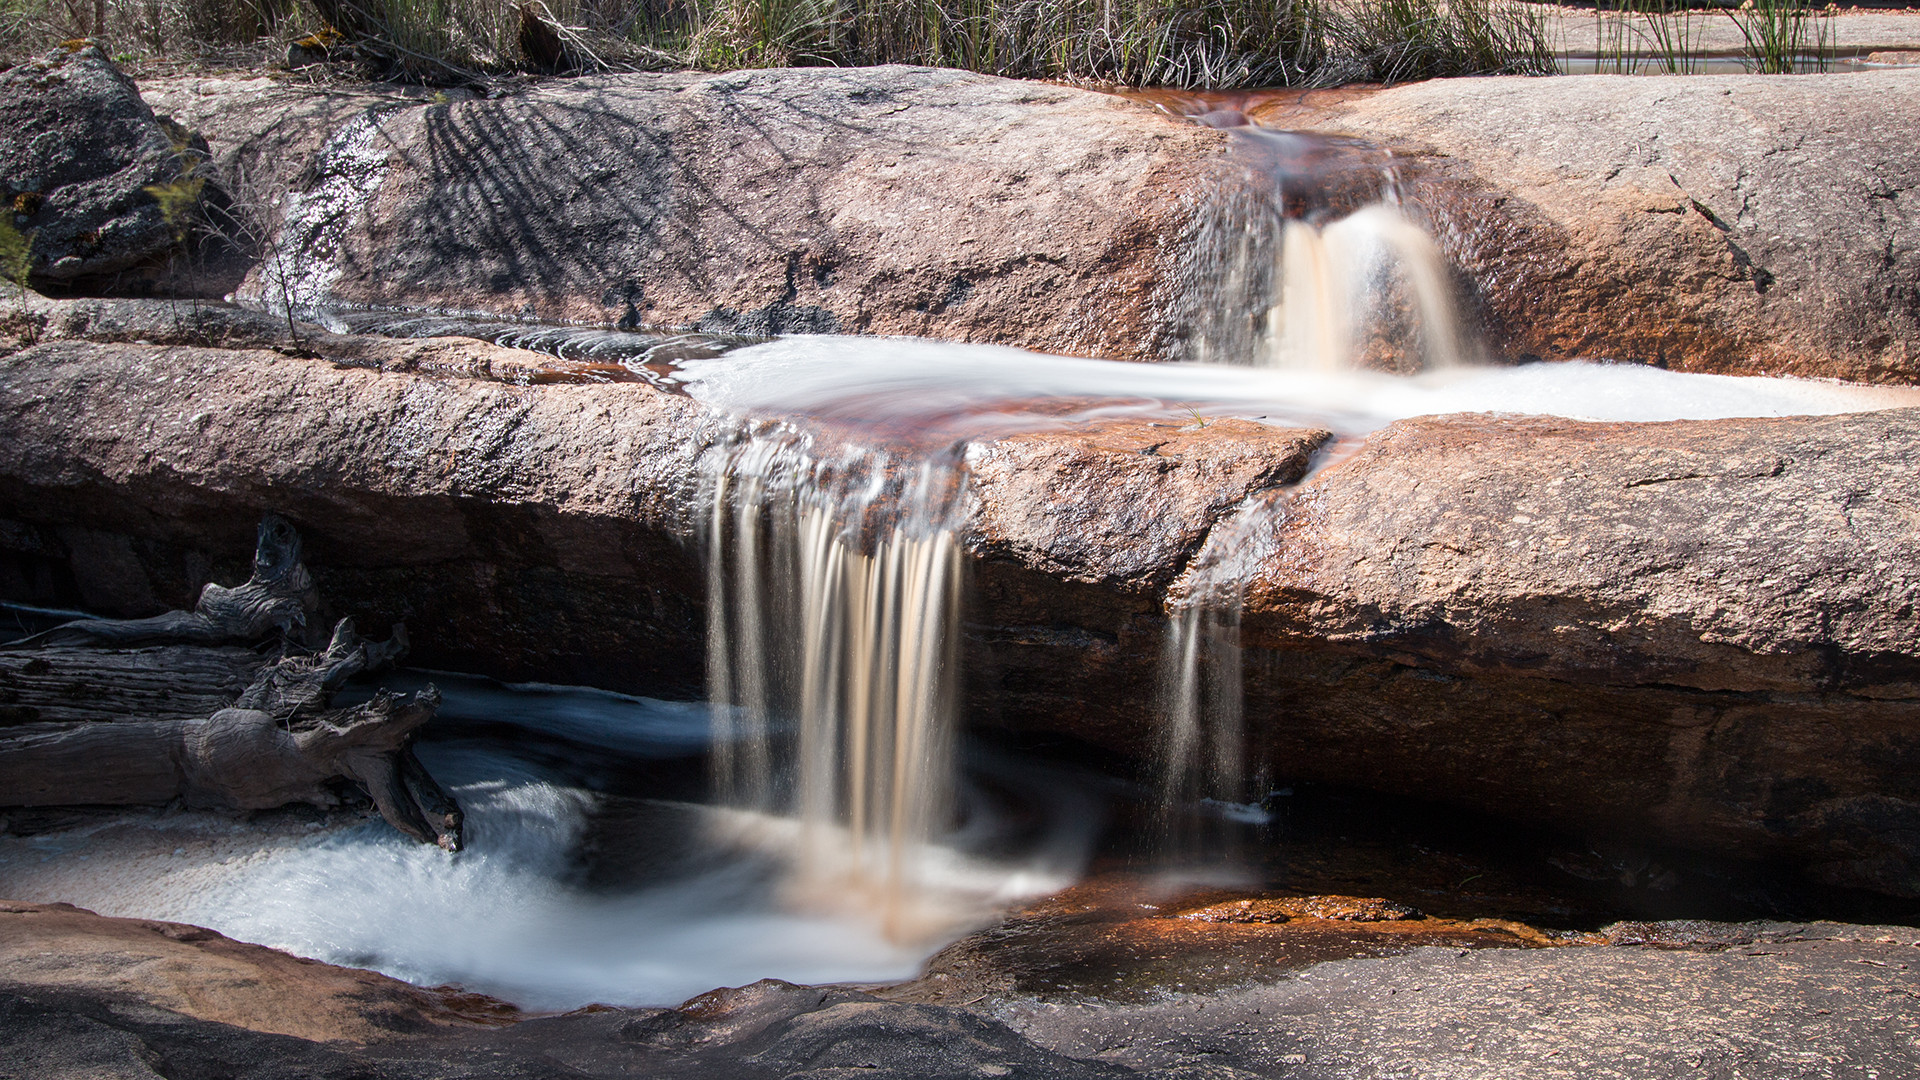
(1124, 938)
(1706, 223)
(769, 1030)
(1644, 1000)
(78, 149)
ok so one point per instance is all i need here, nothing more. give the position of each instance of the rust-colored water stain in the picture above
(1124, 937)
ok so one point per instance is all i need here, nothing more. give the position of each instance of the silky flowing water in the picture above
(833, 596)
(821, 818)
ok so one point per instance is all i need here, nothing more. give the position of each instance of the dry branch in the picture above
(191, 717)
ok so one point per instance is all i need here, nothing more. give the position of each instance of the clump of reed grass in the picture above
(1221, 43)
(1784, 36)
(1780, 37)
(1400, 40)
(1661, 34)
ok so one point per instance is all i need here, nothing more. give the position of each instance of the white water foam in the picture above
(511, 915)
(980, 389)
(503, 917)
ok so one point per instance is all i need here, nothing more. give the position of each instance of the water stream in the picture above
(837, 829)
(833, 596)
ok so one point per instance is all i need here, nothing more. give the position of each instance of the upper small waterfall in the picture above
(1310, 256)
(1311, 261)
(1340, 283)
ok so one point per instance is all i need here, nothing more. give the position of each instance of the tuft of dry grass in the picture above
(1219, 44)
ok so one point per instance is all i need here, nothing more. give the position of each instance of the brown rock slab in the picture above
(1734, 224)
(1699, 634)
(1701, 630)
(199, 973)
(881, 200)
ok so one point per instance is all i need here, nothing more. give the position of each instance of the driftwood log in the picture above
(277, 598)
(189, 707)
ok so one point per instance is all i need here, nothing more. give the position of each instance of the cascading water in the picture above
(1202, 767)
(1319, 269)
(1336, 284)
(835, 588)
(833, 606)
(1309, 258)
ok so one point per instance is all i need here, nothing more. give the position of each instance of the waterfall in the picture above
(1339, 283)
(1310, 256)
(1201, 754)
(1309, 260)
(834, 588)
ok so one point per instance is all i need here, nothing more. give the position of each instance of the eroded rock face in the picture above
(1706, 223)
(1703, 629)
(1696, 633)
(78, 148)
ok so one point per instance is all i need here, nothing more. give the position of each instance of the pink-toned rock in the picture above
(196, 972)
(1733, 224)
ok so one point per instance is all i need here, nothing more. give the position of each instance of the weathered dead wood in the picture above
(240, 758)
(278, 597)
(192, 718)
(170, 682)
(181, 682)
(303, 685)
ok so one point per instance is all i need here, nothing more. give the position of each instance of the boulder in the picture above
(1728, 224)
(79, 153)
(886, 200)
(198, 973)
(1698, 634)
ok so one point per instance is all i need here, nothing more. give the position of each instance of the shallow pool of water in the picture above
(574, 887)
